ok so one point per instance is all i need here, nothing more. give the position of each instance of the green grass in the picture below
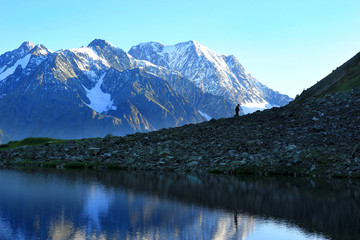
(51, 164)
(342, 80)
(215, 171)
(116, 167)
(346, 83)
(31, 142)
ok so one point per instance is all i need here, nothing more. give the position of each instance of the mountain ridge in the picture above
(218, 74)
(78, 89)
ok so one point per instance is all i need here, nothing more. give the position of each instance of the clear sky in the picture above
(288, 45)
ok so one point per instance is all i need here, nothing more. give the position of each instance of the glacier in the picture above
(23, 62)
(207, 117)
(99, 101)
(250, 107)
(89, 55)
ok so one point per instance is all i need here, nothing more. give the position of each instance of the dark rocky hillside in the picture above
(317, 137)
(344, 78)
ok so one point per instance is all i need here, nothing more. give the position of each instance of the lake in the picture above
(72, 204)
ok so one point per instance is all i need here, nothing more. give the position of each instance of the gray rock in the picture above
(164, 153)
(238, 163)
(290, 147)
(251, 142)
(129, 161)
(169, 158)
(192, 164)
(235, 163)
(195, 158)
(313, 167)
(244, 154)
(93, 150)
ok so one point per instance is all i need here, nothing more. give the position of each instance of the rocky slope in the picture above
(318, 137)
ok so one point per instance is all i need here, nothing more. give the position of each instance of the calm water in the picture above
(120, 205)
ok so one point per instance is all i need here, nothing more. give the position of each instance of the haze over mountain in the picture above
(99, 89)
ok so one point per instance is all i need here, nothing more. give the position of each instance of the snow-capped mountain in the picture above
(22, 61)
(99, 89)
(86, 92)
(213, 73)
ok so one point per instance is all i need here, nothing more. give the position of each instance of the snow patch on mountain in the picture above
(177, 58)
(168, 50)
(43, 51)
(91, 75)
(23, 62)
(213, 57)
(207, 117)
(145, 64)
(250, 107)
(37, 61)
(99, 100)
(90, 54)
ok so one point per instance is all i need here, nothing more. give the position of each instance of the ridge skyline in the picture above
(199, 49)
(288, 91)
(273, 41)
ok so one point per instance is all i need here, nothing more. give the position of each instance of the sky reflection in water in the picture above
(116, 205)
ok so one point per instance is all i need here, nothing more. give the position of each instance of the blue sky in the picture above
(288, 45)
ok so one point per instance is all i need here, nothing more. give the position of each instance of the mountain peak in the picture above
(213, 73)
(159, 47)
(40, 49)
(100, 43)
(27, 46)
(192, 42)
(152, 43)
(154, 46)
(197, 48)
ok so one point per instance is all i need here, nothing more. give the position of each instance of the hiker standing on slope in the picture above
(237, 109)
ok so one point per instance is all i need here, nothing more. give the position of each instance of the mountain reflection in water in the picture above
(123, 205)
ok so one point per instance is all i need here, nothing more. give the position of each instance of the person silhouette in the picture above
(237, 109)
